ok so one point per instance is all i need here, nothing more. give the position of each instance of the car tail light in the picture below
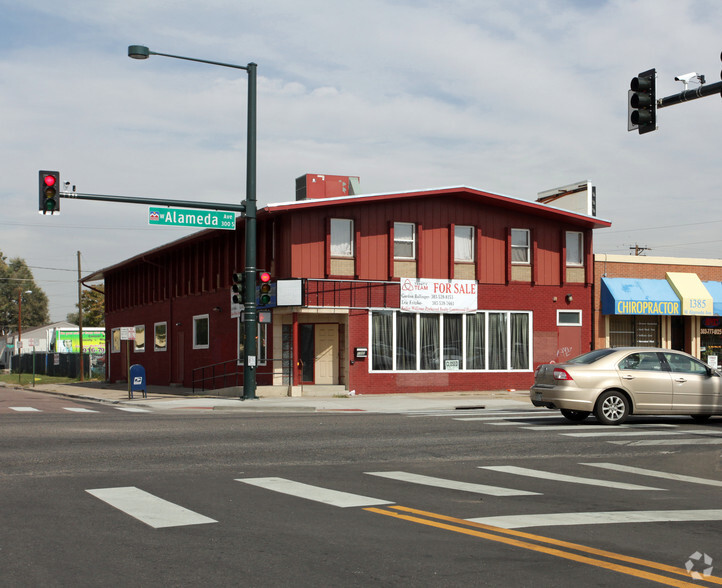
(561, 374)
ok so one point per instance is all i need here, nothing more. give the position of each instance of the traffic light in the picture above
(643, 102)
(264, 295)
(238, 290)
(49, 192)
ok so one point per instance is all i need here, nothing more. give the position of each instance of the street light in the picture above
(250, 320)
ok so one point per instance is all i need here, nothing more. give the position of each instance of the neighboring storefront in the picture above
(675, 303)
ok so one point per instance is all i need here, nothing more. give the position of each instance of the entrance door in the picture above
(307, 353)
(178, 354)
(326, 354)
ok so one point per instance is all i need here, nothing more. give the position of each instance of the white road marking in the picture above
(564, 478)
(131, 409)
(710, 441)
(599, 518)
(24, 409)
(615, 432)
(655, 474)
(452, 484)
(79, 409)
(315, 493)
(149, 509)
(508, 417)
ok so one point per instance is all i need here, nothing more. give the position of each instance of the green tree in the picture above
(16, 281)
(93, 305)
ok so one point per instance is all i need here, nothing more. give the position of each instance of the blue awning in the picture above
(639, 296)
(715, 289)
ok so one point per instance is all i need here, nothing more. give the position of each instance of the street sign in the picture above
(127, 333)
(180, 217)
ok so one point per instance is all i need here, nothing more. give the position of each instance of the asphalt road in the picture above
(223, 498)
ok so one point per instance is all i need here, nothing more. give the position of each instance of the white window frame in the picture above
(463, 238)
(156, 347)
(405, 241)
(526, 248)
(579, 237)
(196, 319)
(567, 311)
(342, 233)
(508, 342)
(139, 348)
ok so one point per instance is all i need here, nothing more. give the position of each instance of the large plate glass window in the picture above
(405, 341)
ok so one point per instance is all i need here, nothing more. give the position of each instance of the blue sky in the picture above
(509, 96)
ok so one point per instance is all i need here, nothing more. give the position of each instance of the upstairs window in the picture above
(341, 237)
(404, 241)
(463, 243)
(520, 246)
(575, 248)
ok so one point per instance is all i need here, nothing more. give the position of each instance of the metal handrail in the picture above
(235, 373)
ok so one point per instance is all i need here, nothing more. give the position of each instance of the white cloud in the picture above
(512, 96)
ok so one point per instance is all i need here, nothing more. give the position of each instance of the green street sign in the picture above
(180, 217)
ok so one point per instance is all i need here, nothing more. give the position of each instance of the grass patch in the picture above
(27, 379)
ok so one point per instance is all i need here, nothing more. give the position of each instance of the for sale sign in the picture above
(442, 296)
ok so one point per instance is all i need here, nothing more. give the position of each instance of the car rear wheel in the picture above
(700, 418)
(612, 408)
(574, 415)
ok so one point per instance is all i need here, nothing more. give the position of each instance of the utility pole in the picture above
(80, 320)
(639, 250)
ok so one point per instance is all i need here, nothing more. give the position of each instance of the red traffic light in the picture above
(264, 277)
(49, 180)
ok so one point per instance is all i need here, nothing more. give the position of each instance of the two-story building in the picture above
(426, 290)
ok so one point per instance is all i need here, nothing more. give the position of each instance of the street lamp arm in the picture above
(142, 52)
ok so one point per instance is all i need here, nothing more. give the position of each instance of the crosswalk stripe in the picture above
(131, 409)
(315, 493)
(24, 409)
(564, 519)
(531, 417)
(655, 474)
(149, 509)
(74, 409)
(565, 478)
(615, 432)
(681, 441)
(452, 484)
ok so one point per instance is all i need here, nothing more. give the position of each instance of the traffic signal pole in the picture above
(687, 95)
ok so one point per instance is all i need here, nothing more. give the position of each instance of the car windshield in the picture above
(591, 357)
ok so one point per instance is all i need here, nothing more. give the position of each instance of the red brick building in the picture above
(429, 290)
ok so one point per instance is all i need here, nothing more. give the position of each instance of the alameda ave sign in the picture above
(179, 217)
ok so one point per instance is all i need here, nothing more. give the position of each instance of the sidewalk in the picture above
(167, 398)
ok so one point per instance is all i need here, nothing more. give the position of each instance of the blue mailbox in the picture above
(137, 380)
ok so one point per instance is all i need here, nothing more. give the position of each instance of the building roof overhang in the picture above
(464, 192)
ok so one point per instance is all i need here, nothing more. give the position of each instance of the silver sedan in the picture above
(614, 383)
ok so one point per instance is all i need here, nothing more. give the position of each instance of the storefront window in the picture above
(711, 340)
(381, 341)
(405, 341)
(634, 331)
(431, 342)
(475, 351)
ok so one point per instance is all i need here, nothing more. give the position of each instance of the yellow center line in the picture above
(547, 550)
